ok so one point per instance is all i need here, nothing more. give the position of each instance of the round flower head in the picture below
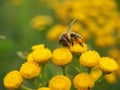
(39, 46)
(30, 70)
(78, 49)
(108, 64)
(111, 78)
(13, 80)
(83, 81)
(44, 88)
(41, 55)
(60, 83)
(96, 73)
(61, 56)
(89, 58)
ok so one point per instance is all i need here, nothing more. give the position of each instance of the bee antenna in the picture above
(71, 25)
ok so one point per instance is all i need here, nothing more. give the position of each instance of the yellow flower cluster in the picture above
(97, 18)
(61, 57)
(30, 69)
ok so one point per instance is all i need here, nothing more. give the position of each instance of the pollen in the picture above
(78, 49)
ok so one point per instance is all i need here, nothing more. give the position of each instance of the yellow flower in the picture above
(39, 46)
(96, 73)
(77, 48)
(89, 58)
(30, 70)
(40, 21)
(13, 80)
(60, 82)
(44, 88)
(61, 56)
(111, 78)
(41, 55)
(83, 81)
(55, 32)
(108, 64)
(30, 57)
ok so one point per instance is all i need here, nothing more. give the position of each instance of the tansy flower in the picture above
(13, 80)
(111, 78)
(108, 64)
(40, 21)
(89, 58)
(60, 82)
(41, 55)
(77, 48)
(83, 81)
(44, 88)
(96, 73)
(39, 46)
(30, 70)
(61, 56)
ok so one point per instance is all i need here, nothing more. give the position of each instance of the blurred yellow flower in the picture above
(83, 81)
(104, 41)
(60, 82)
(89, 58)
(30, 70)
(40, 21)
(61, 56)
(55, 32)
(96, 73)
(108, 64)
(16, 2)
(111, 78)
(41, 55)
(13, 80)
(44, 88)
(77, 48)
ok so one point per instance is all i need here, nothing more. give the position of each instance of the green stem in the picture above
(43, 74)
(89, 70)
(35, 83)
(80, 67)
(22, 87)
(79, 64)
(100, 78)
(64, 70)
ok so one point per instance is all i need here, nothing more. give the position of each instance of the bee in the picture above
(68, 38)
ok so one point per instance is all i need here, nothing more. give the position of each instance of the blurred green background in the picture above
(18, 35)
